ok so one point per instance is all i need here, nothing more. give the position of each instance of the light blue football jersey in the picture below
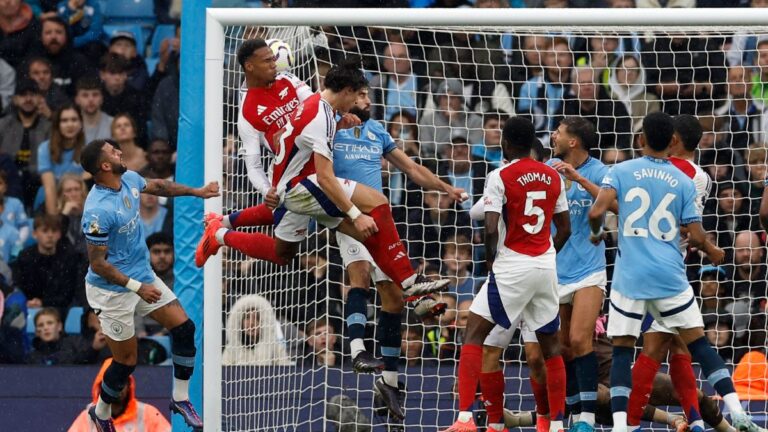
(579, 258)
(357, 153)
(111, 218)
(655, 199)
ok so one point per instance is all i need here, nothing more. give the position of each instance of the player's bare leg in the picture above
(173, 317)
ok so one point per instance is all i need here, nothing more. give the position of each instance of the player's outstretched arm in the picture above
(698, 238)
(162, 187)
(562, 223)
(97, 257)
(423, 176)
(605, 199)
(491, 237)
(764, 210)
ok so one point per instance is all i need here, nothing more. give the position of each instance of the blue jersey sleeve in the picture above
(97, 223)
(135, 179)
(389, 143)
(611, 179)
(690, 211)
(598, 174)
(44, 163)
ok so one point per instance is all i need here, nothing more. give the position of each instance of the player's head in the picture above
(257, 60)
(347, 80)
(102, 155)
(658, 129)
(362, 107)
(518, 137)
(573, 133)
(688, 131)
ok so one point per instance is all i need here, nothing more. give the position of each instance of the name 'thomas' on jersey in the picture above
(655, 199)
(527, 194)
(310, 130)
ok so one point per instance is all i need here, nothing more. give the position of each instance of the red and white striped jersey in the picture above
(310, 130)
(265, 110)
(527, 194)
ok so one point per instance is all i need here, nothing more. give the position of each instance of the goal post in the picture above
(304, 30)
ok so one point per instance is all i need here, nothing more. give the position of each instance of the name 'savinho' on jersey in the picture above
(280, 113)
(655, 174)
(534, 176)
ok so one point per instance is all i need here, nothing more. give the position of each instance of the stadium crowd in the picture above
(67, 77)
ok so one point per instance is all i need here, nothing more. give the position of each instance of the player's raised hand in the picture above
(347, 121)
(149, 293)
(209, 191)
(272, 199)
(715, 254)
(457, 194)
(366, 226)
(566, 170)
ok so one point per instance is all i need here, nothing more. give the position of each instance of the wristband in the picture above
(133, 285)
(354, 212)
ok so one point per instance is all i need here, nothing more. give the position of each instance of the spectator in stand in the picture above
(254, 335)
(412, 352)
(626, 84)
(601, 54)
(54, 95)
(320, 347)
(19, 31)
(86, 25)
(757, 157)
(49, 273)
(713, 289)
(741, 51)
(10, 240)
(542, 96)
(749, 269)
(159, 161)
(154, 216)
(731, 215)
(89, 98)
(533, 49)
(404, 129)
(23, 131)
(60, 154)
(614, 156)
(91, 331)
(7, 86)
(740, 118)
(457, 267)
(587, 99)
(124, 132)
(165, 106)
(395, 89)
(128, 413)
(71, 193)
(13, 210)
(434, 224)
(490, 149)
(67, 64)
(118, 96)
(123, 43)
(161, 257)
(450, 118)
(52, 347)
(170, 48)
(463, 170)
(685, 73)
(717, 328)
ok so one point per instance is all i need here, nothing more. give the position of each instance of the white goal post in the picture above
(693, 21)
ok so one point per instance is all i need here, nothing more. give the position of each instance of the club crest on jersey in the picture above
(127, 202)
(357, 132)
(371, 136)
(283, 93)
(568, 184)
(93, 227)
(135, 192)
(353, 250)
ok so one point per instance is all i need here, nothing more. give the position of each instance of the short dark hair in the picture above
(500, 116)
(48, 310)
(347, 73)
(55, 19)
(88, 83)
(689, 129)
(113, 63)
(90, 158)
(247, 49)
(159, 238)
(50, 221)
(581, 129)
(658, 129)
(519, 132)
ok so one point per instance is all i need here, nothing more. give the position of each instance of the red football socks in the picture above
(556, 387)
(643, 373)
(386, 248)
(492, 386)
(681, 371)
(470, 363)
(259, 215)
(540, 394)
(255, 245)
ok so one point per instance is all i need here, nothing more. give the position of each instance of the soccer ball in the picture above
(283, 54)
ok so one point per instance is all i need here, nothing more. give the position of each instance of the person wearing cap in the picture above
(712, 288)
(24, 128)
(86, 23)
(449, 117)
(123, 43)
(67, 64)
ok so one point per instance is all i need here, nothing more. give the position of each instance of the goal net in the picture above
(443, 92)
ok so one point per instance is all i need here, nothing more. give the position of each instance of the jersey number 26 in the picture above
(659, 214)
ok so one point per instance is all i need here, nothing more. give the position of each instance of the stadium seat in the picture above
(72, 324)
(31, 312)
(151, 65)
(162, 32)
(136, 30)
(124, 10)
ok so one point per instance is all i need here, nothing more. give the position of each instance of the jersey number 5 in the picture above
(532, 210)
(659, 214)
